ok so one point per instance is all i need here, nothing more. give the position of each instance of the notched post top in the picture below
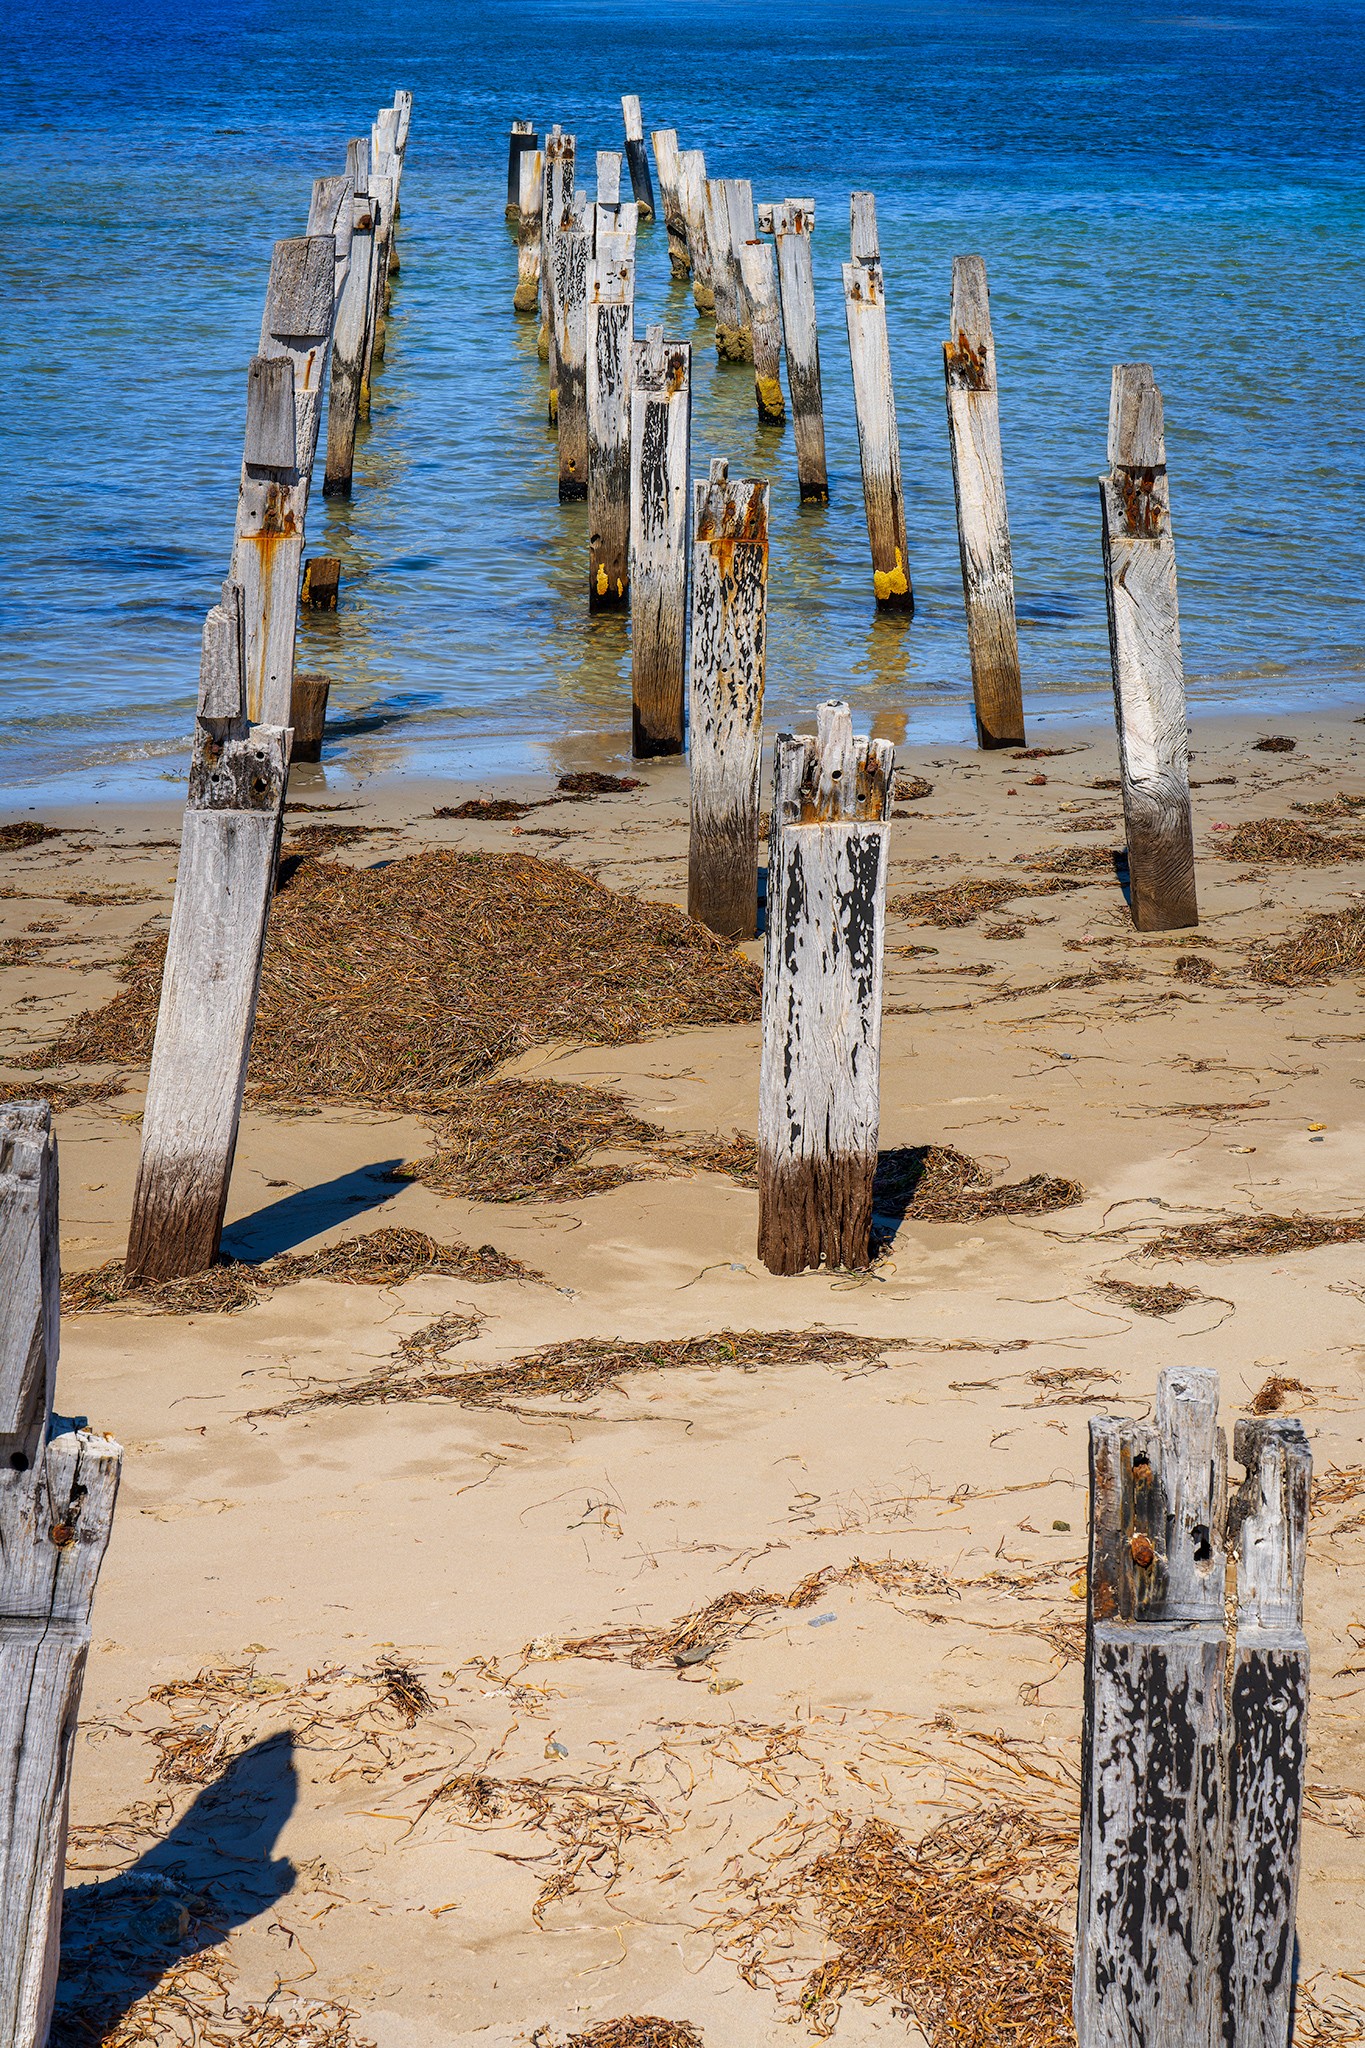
(863, 227)
(358, 161)
(1157, 1537)
(298, 303)
(244, 774)
(1137, 450)
(969, 354)
(832, 777)
(329, 210)
(729, 511)
(29, 1274)
(608, 177)
(271, 427)
(222, 668)
(1268, 1521)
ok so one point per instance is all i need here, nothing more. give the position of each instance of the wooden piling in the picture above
(791, 223)
(725, 699)
(692, 200)
(666, 158)
(635, 156)
(569, 260)
(1144, 653)
(739, 203)
(727, 291)
(875, 403)
(521, 139)
(308, 715)
(358, 162)
(526, 297)
(556, 193)
(402, 106)
(385, 162)
(228, 854)
(610, 337)
(819, 1085)
(380, 190)
(608, 191)
(660, 435)
(322, 582)
(758, 277)
(983, 533)
(284, 388)
(348, 352)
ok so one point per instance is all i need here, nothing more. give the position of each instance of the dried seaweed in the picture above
(961, 903)
(635, 2030)
(1285, 839)
(26, 832)
(487, 807)
(403, 1689)
(1251, 1237)
(938, 1184)
(383, 1258)
(908, 788)
(64, 1094)
(1331, 943)
(1339, 806)
(1103, 861)
(188, 2006)
(589, 1822)
(1275, 743)
(1166, 1300)
(1269, 1397)
(591, 782)
(394, 985)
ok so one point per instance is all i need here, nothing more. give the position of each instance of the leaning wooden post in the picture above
(758, 277)
(209, 986)
(725, 699)
(819, 1083)
(521, 139)
(875, 403)
(57, 1498)
(1268, 1710)
(569, 258)
(666, 157)
(284, 392)
(348, 353)
(526, 297)
(1144, 654)
(380, 190)
(636, 157)
(610, 332)
(983, 532)
(660, 436)
(791, 224)
(692, 199)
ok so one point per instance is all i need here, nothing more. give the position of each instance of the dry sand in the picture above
(560, 1839)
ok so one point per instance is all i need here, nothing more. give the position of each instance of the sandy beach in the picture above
(431, 1705)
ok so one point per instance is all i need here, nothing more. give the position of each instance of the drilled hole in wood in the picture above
(18, 1462)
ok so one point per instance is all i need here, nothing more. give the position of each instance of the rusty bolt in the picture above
(62, 1533)
(1142, 1551)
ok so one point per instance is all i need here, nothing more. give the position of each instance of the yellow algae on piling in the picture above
(770, 394)
(891, 582)
(602, 580)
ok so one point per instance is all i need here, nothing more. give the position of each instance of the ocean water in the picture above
(1146, 182)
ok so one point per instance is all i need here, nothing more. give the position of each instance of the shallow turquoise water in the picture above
(1145, 182)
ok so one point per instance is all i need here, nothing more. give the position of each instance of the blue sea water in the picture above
(1146, 182)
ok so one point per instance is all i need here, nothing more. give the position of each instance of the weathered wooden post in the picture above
(739, 202)
(402, 106)
(666, 157)
(610, 333)
(692, 199)
(348, 352)
(57, 1496)
(557, 187)
(1189, 1812)
(386, 163)
(521, 139)
(330, 213)
(1144, 654)
(531, 170)
(727, 292)
(819, 1086)
(983, 533)
(660, 439)
(569, 260)
(228, 853)
(636, 157)
(308, 715)
(358, 162)
(380, 190)
(791, 223)
(875, 403)
(758, 277)
(725, 699)
(284, 390)
(322, 582)
(608, 191)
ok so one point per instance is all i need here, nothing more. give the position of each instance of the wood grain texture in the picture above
(758, 275)
(526, 297)
(739, 204)
(608, 177)
(208, 1005)
(381, 194)
(983, 533)
(819, 1083)
(660, 440)
(308, 715)
(29, 1281)
(636, 156)
(792, 224)
(348, 353)
(692, 199)
(666, 162)
(727, 301)
(221, 710)
(557, 193)
(878, 436)
(610, 338)
(569, 262)
(725, 700)
(1145, 657)
(862, 222)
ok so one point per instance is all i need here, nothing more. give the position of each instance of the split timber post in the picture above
(521, 139)
(388, 164)
(726, 289)
(660, 437)
(610, 338)
(1192, 1786)
(666, 157)
(692, 199)
(381, 190)
(878, 437)
(759, 279)
(790, 224)
(739, 202)
(569, 260)
(725, 699)
(348, 352)
(820, 1074)
(228, 855)
(608, 191)
(558, 185)
(1144, 654)
(330, 213)
(983, 531)
(636, 157)
(531, 168)
(284, 397)
(57, 1494)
